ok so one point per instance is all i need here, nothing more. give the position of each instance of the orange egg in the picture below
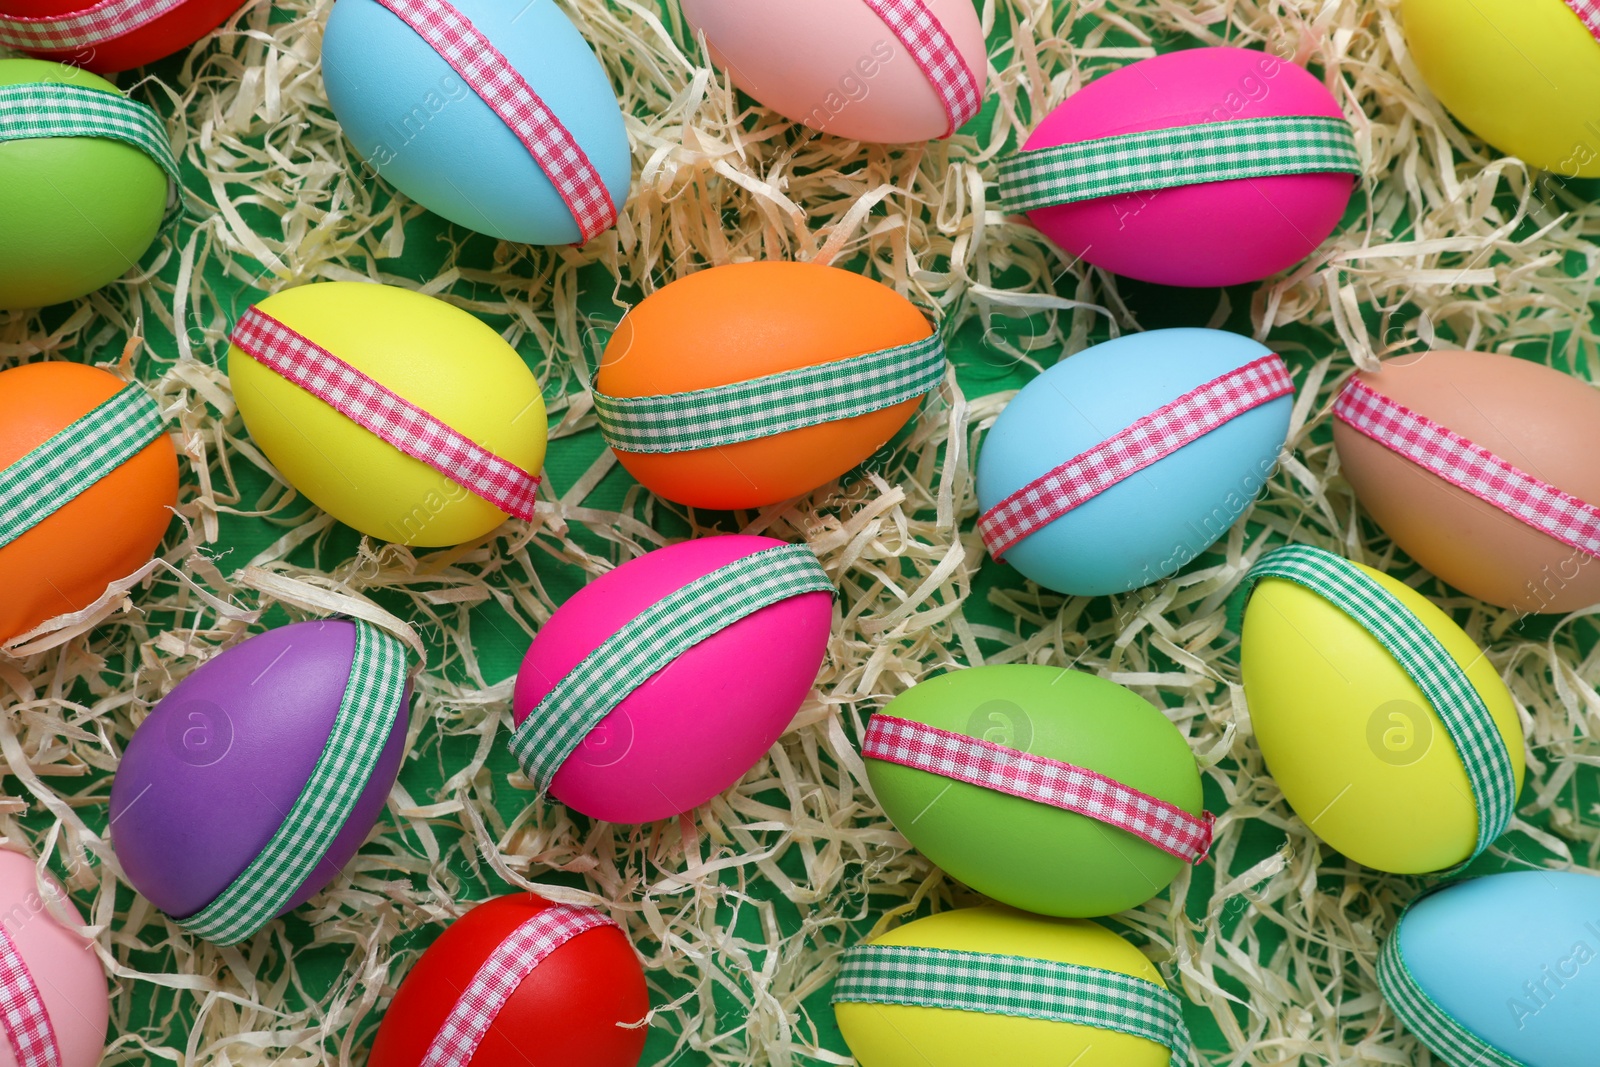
(109, 530)
(734, 323)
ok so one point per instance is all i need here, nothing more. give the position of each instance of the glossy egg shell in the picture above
(1020, 852)
(700, 723)
(161, 36)
(1214, 233)
(80, 212)
(1542, 421)
(579, 1005)
(893, 1035)
(444, 360)
(1359, 753)
(209, 774)
(106, 532)
(64, 966)
(416, 122)
(1148, 526)
(732, 323)
(835, 65)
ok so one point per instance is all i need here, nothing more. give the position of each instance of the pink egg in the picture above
(1215, 233)
(696, 726)
(65, 970)
(838, 66)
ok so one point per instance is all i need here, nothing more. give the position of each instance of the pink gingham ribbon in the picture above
(376, 408)
(1154, 437)
(505, 969)
(491, 75)
(1469, 466)
(22, 1011)
(1044, 781)
(1589, 12)
(103, 22)
(935, 51)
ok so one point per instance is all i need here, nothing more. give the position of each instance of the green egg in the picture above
(1022, 852)
(79, 212)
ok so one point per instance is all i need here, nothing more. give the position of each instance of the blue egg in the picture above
(1514, 958)
(418, 124)
(1149, 525)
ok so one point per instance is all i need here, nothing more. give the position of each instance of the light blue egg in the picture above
(415, 121)
(1515, 958)
(1149, 525)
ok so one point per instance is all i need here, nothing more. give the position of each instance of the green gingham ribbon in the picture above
(52, 109)
(1176, 156)
(361, 728)
(651, 640)
(1015, 985)
(772, 404)
(1466, 718)
(52, 475)
(1448, 1039)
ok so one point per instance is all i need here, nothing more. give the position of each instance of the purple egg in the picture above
(209, 776)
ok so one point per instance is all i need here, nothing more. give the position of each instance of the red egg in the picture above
(103, 37)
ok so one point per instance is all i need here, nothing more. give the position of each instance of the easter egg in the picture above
(76, 516)
(993, 985)
(252, 782)
(1500, 969)
(1211, 166)
(496, 116)
(660, 683)
(82, 201)
(397, 413)
(749, 384)
(1388, 730)
(53, 999)
(1522, 74)
(1047, 789)
(869, 70)
(519, 980)
(108, 36)
(1482, 468)
(1117, 466)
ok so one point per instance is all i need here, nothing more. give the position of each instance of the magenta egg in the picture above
(57, 988)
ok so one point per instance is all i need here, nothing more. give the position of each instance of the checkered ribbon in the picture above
(1152, 438)
(1469, 466)
(1448, 1039)
(1445, 685)
(54, 474)
(22, 1011)
(1044, 781)
(394, 419)
(372, 698)
(652, 639)
(82, 29)
(1178, 155)
(1589, 12)
(773, 404)
(935, 52)
(1015, 985)
(508, 94)
(506, 968)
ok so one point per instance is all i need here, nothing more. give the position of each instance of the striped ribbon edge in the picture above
(1469, 466)
(84, 28)
(1055, 783)
(996, 984)
(1443, 682)
(934, 50)
(512, 961)
(22, 1010)
(69, 462)
(381, 411)
(1175, 156)
(1149, 440)
(500, 85)
(361, 728)
(771, 404)
(1589, 12)
(585, 695)
(1432, 1025)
